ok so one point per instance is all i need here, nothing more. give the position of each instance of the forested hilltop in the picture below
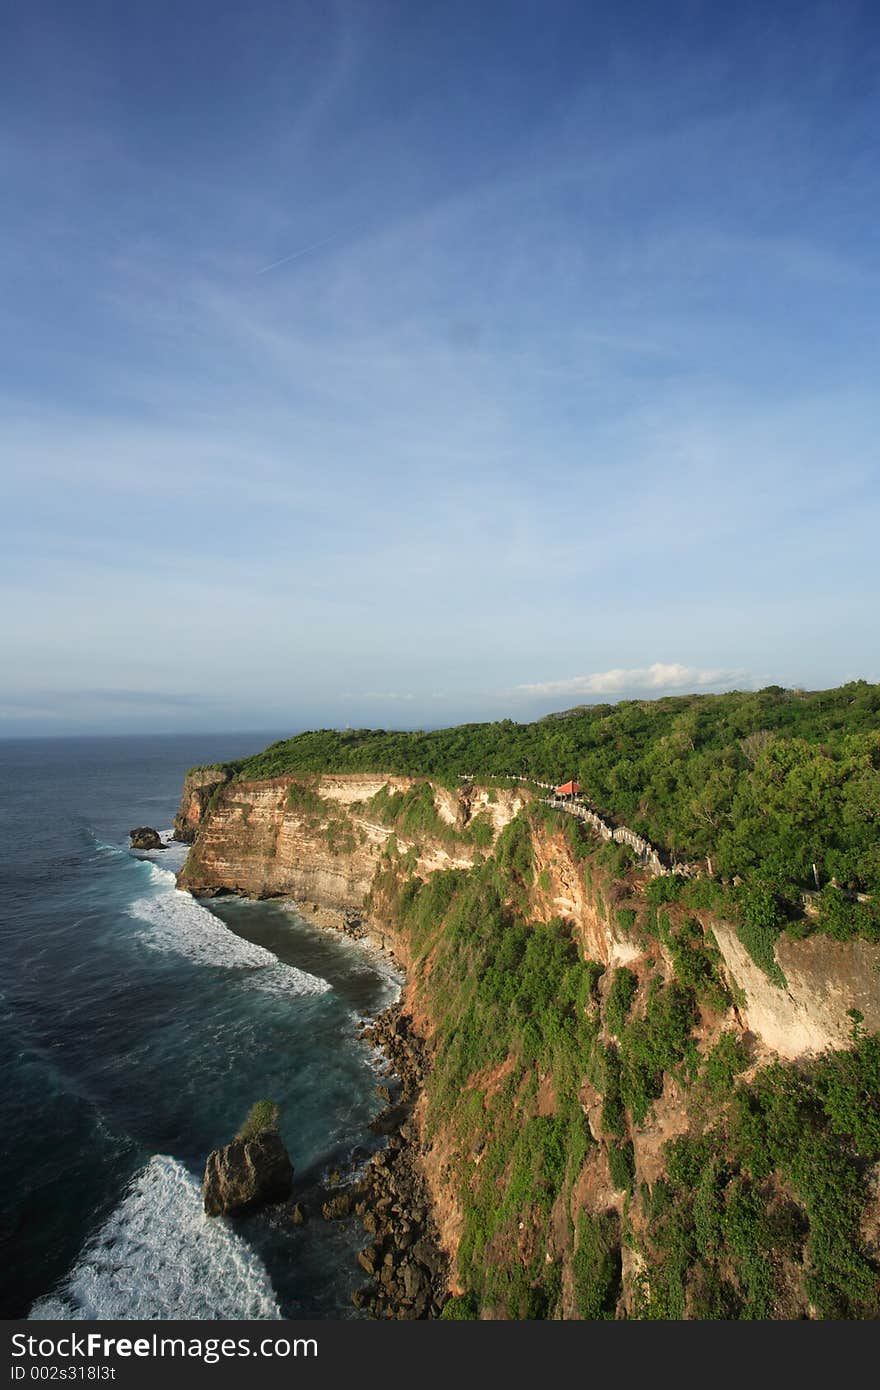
(765, 784)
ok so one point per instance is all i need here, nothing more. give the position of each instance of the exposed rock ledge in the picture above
(827, 981)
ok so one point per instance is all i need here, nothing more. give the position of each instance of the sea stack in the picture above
(145, 837)
(252, 1171)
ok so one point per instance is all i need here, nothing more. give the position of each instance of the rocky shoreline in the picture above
(407, 1268)
(347, 921)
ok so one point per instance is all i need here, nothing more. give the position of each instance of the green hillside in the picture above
(766, 783)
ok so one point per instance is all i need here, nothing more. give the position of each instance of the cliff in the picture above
(321, 840)
(602, 1126)
(199, 786)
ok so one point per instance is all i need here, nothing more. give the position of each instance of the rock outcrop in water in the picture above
(145, 837)
(246, 1174)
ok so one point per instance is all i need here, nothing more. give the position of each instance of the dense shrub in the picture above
(721, 1221)
(723, 1064)
(761, 920)
(262, 1115)
(776, 1174)
(695, 962)
(666, 888)
(597, 1265)
(619, 999)
(621, 1165)
(653, 1045)
(461, 1309)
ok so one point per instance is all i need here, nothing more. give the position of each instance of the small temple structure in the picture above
(568, 789)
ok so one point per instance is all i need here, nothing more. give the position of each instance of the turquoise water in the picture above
(136, 1028)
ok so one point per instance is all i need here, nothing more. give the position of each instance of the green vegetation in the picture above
(414, 814)
(723, 1064)
(771, 1196)
(597, 1265)
(621, 1165)
(262, 1115)
(325, 818)
(760, 921)
(762, 1197)
(512, 999)
(462, 1309)
(766, 783)
(619, 1000)
(695, 961)
(302, 797)
(653, 1045)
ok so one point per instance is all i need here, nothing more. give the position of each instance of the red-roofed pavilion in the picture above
(568, 789)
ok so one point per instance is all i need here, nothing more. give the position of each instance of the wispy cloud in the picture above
(659, 677)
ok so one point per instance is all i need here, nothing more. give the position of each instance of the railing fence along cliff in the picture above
(648, 856)
(646, 853)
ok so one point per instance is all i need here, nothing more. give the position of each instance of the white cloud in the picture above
(662, 675)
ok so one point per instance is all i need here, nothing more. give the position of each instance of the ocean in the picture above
(137, 1027)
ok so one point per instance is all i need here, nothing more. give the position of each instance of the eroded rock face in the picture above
(251, 840)
(145, 837)
(247, 1173)
(198, 788)
(825, 980)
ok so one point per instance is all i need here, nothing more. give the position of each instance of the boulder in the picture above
(413, 1282)
(337, 1206)
(145, 837)
(370, 1258)
(388, 1120)
(247, 1173)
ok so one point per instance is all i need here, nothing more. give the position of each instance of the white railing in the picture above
(575, 805)
(648, 854)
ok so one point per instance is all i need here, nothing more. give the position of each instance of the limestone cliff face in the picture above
(198, 787)
(259, 839)
(825, 981)
(561, 891)
(252, 838)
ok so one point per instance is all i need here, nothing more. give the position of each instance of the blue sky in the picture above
(399, 364)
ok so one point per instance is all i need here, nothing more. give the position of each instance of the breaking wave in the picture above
(176, 922)
(159, 1256)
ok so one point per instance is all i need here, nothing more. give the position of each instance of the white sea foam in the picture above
(161, 876)
(173, 856)
(176, 922)
(159, 1256)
